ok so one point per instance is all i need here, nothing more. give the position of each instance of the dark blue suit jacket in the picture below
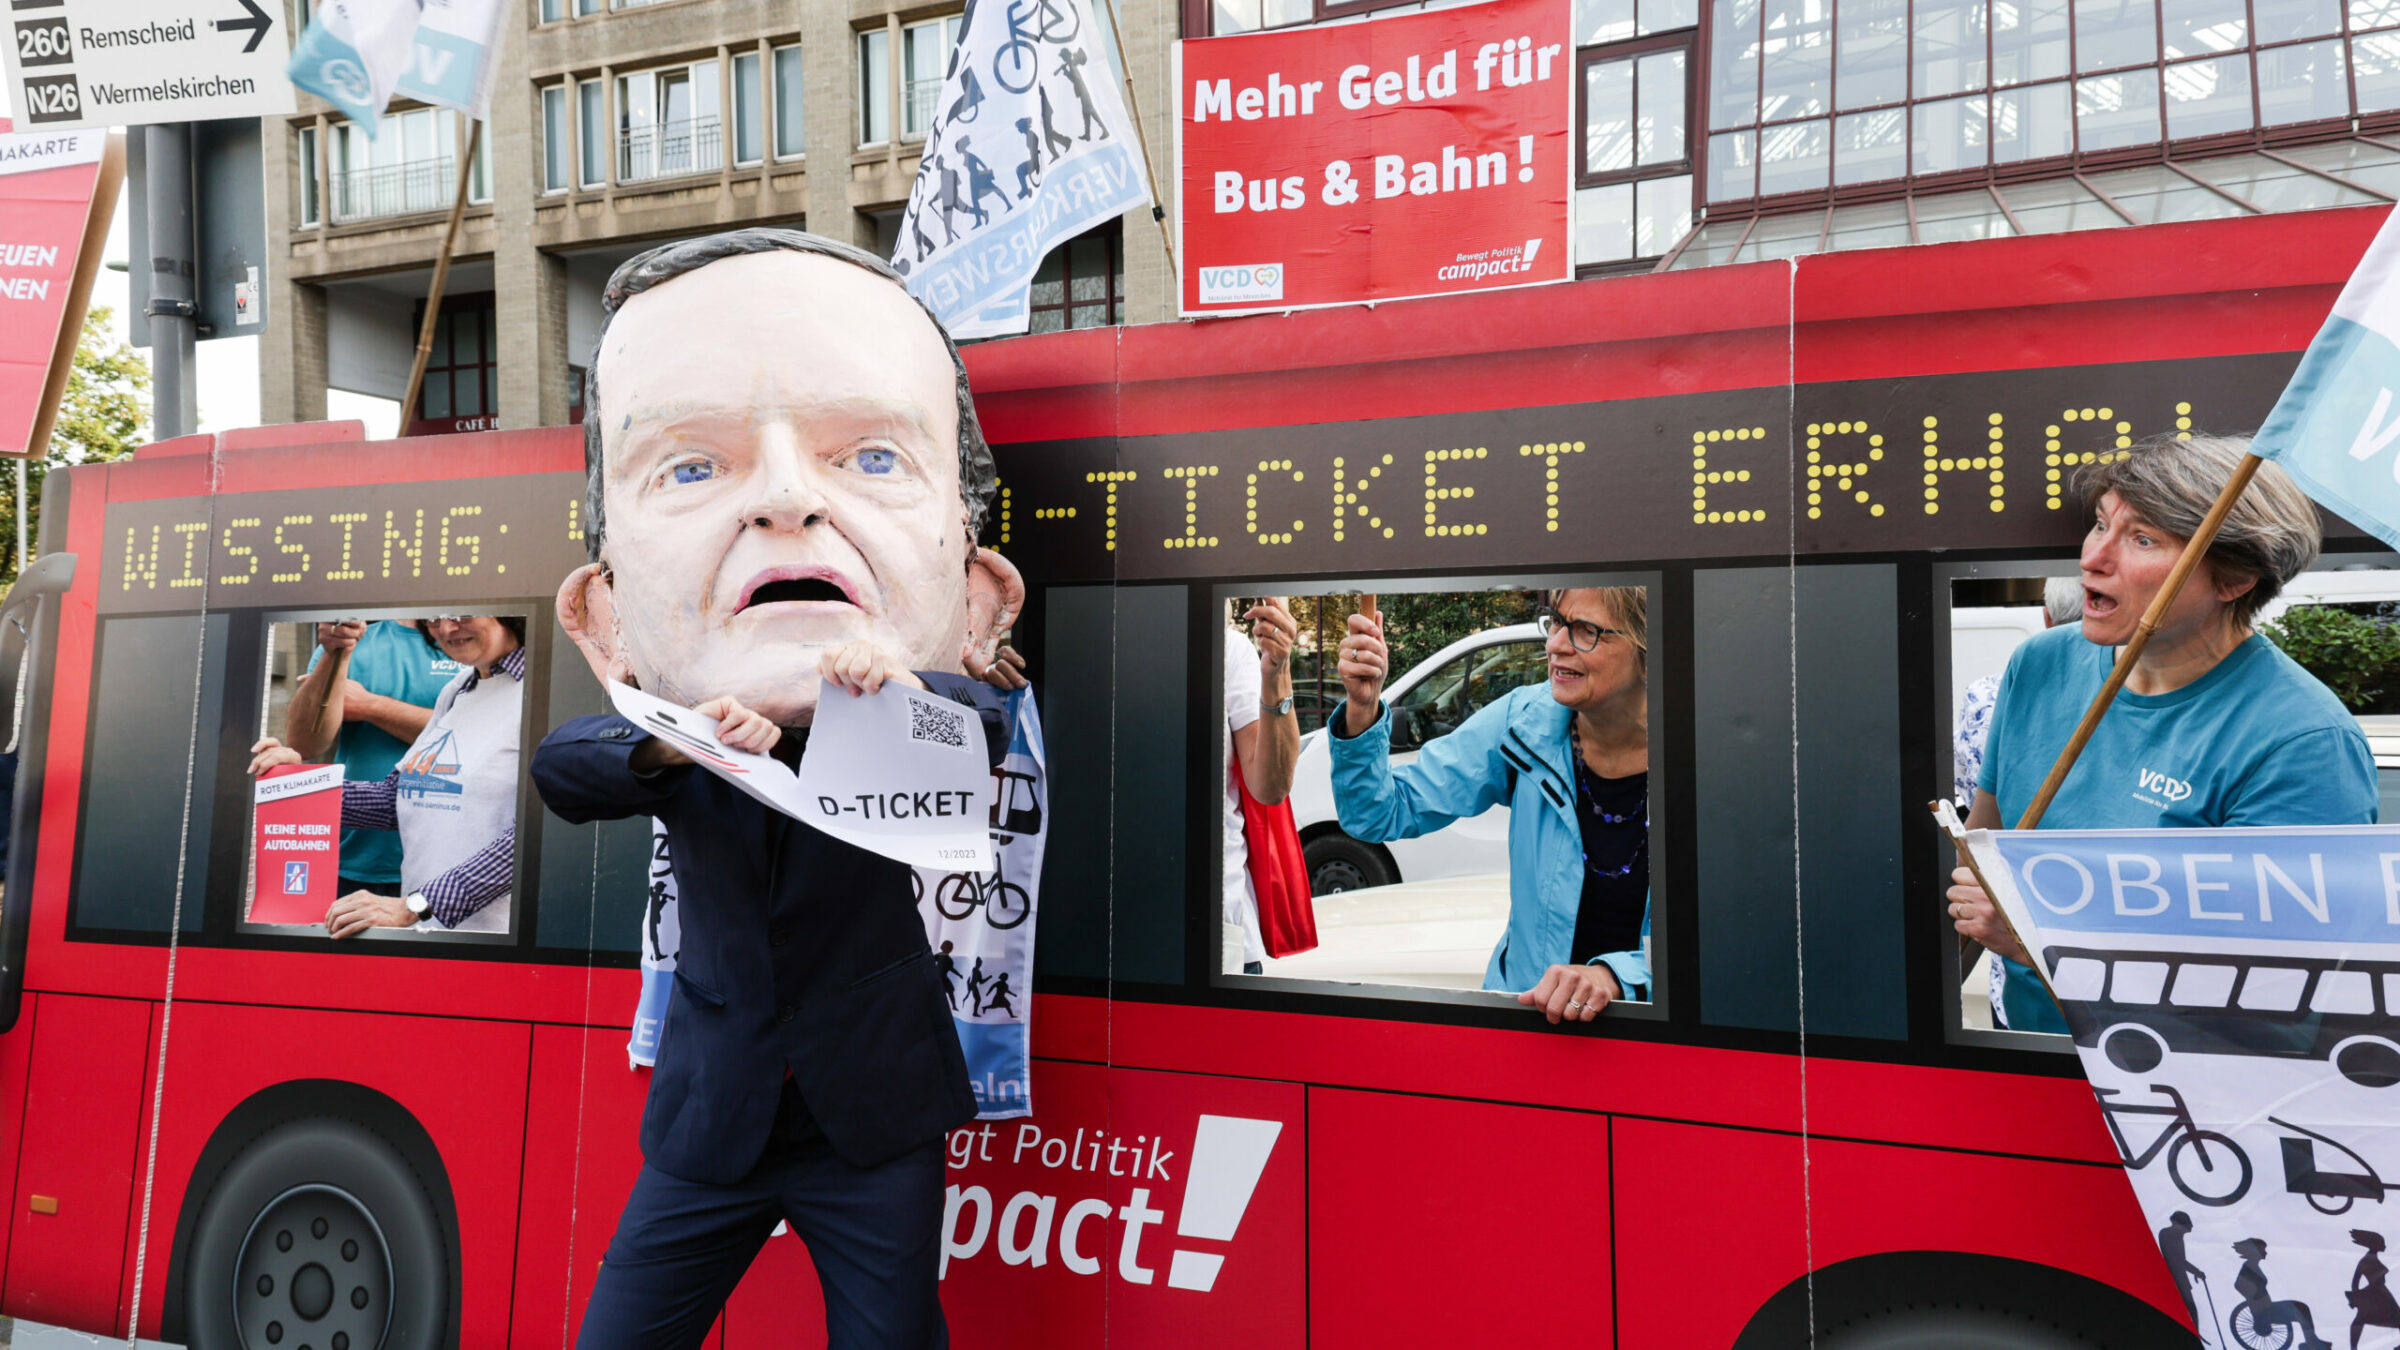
(798, 950)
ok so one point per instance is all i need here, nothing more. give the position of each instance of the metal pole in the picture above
(173, 311)
(24, 520)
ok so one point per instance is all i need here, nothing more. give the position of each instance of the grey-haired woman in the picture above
(2215, 726)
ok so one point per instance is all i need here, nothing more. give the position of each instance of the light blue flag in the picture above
(2337, 427)
(358, 54)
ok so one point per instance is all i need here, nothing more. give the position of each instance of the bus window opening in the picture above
(425, 718)
(1472, 805)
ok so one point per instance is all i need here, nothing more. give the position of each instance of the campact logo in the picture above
(2167, 789)
(1035, 1228)
(1252, 281)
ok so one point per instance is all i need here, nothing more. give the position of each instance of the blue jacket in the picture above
(1514, 751)
(800, 951)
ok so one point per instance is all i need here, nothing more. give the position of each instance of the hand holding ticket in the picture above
(897, 772)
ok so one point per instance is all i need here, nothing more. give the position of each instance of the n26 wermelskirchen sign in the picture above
(1422, 155)
(102, 63)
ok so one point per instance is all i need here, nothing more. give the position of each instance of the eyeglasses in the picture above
(1584, 634)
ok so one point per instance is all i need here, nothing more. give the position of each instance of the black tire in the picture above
(959, 890)
(318, 1236)
(2220, 1182)
(1953, 1326)
(1337, 863)
(1007, 905)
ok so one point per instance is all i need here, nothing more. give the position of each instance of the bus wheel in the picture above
(2369, 1062)
(2135, 1049)
(1950, 1326)
(319, 1236)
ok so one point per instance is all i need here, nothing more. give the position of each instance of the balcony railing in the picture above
(394, 189)
(670, 149)
(916, 119)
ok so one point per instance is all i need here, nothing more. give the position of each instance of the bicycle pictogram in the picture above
(1005, 903)
(1018, 63)
(2220, 1179)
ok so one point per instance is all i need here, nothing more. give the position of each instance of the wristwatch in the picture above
(418, 905)
(1276, 709)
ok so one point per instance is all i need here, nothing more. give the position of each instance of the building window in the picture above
(1082, 283)
(410, 165)
(748, 112)
(479, 169)
(1248, 16)
(1803, 97)
(874, 87)
(790, 125)
(558, 155)
(309, 206)
(669, 123)
(1633, 196)
(925, 50)
(553, 10)
(591, 131)
(462, 374)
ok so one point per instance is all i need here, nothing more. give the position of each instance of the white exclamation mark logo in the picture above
(1524, 157)
(1228, 1154)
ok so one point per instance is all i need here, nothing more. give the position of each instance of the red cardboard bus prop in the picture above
(1423, 155)
(1803, 461)
(298, 843)
(57, 192)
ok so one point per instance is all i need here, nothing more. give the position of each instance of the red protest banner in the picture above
(1419, 155)
(57, 192)
(297, 838)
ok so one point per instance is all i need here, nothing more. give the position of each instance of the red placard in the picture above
(49, 182)
(297, 841)
(1420, 155)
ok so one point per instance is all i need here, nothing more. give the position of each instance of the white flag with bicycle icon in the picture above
(1029, 146)
(2235, 998)
(981, 925)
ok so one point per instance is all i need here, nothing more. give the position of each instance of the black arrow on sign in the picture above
(257, 22)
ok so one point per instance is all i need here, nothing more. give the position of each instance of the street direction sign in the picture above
(101, 63)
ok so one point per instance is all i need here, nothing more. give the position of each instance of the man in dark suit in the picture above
(784, 490)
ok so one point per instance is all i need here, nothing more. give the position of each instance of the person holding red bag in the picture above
(1262, 745)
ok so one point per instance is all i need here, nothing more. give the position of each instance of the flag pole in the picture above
(441, 278)
(2193, 549)
(1133, 107)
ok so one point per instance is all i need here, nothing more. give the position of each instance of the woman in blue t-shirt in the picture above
(2215, 725)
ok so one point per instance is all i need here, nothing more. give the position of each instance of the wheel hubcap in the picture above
(1336, 877)
(313, 1274)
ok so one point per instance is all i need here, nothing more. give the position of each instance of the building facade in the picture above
(1707, 132)
(617, 125)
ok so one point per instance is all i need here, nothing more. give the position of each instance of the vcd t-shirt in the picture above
(2255, 741)
(394, 660)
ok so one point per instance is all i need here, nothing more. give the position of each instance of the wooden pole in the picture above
(441, 278)
(333, 681)
(2193, 550)
(1133, 109)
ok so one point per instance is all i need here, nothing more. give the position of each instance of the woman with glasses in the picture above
(1571, 761)
(453, 798)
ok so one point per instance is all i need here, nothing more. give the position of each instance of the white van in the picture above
(1428, 702)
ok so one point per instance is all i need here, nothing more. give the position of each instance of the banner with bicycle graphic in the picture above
(2235, 998)
(981, 925)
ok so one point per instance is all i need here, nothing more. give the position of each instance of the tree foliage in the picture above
(2357, 655)
(103, 416)
(1416, 625)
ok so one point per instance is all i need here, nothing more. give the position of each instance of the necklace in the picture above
(1589, 800)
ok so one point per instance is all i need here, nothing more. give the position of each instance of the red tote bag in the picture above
(1287, 918)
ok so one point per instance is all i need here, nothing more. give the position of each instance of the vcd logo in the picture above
(1256, 281)
(2173, 789)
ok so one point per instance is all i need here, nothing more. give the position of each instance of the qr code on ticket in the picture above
(937, 724)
